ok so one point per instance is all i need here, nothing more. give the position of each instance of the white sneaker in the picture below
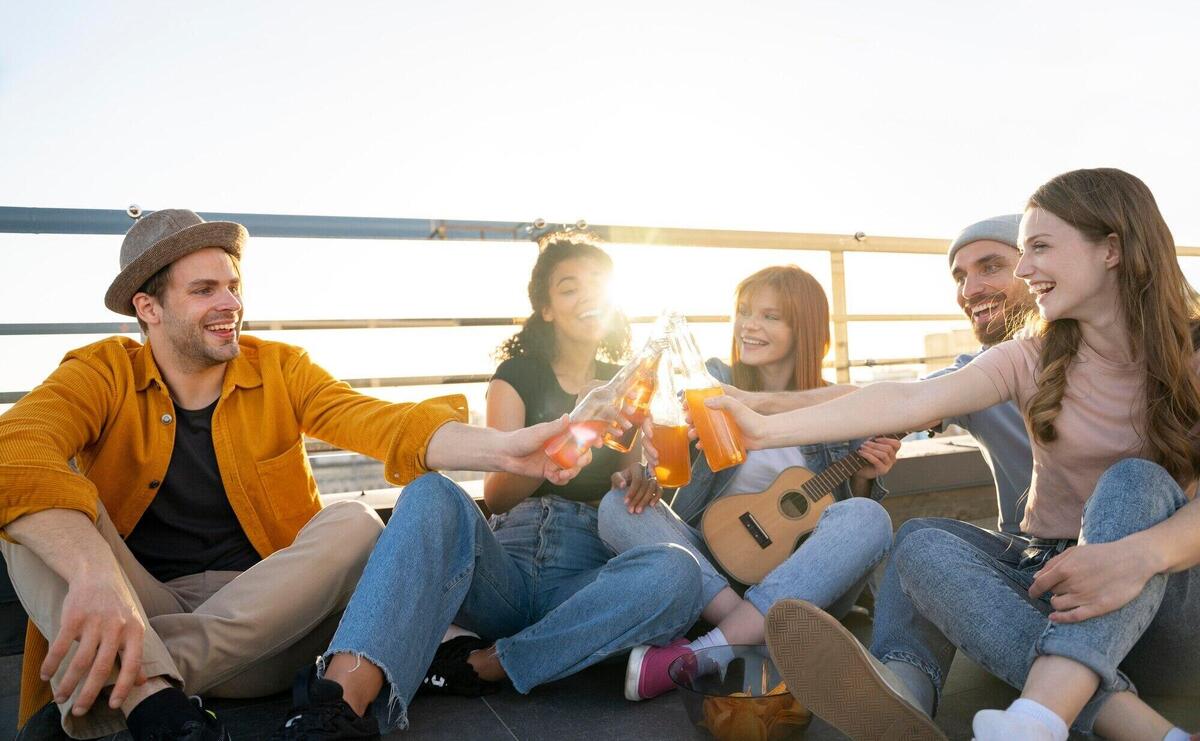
(999, 725)
(832, 674)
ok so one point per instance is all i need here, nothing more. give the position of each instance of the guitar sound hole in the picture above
(794, 504)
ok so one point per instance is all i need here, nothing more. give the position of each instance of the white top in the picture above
(762, 467)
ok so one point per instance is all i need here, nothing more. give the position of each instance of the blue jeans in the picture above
(950, 584)
(829, 569)
(543, 587)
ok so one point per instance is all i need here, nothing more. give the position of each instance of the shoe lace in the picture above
(315, 717)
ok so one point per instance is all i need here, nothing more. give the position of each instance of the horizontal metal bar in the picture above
(399, 381)
(873, 363)
(271, 325)
(26, 220)
(899, 317)
(17, 220)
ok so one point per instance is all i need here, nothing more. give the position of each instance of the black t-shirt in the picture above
(545, 400)
(190, 527)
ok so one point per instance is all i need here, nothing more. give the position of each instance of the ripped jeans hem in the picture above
(392, 713)
(931, 671)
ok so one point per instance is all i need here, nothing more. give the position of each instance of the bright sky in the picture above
(903, 119)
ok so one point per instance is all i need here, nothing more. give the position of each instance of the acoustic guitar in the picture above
(750, 534)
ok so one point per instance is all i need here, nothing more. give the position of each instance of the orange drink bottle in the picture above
(674, 468)
(637, 379)
(566, 449)
(638, 404)
(719, 435)
(599, 415)
(670, 429)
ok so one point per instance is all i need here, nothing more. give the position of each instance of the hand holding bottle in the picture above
(718, 432)
(749, 423)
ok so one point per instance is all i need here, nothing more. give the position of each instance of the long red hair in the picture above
(805, 308)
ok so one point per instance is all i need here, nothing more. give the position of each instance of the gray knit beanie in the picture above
(998, 229)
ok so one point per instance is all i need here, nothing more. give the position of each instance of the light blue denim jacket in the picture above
(707, 486)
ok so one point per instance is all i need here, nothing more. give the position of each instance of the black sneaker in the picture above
(319, 712)
(205, 727)
(46, 725)
(451, 673)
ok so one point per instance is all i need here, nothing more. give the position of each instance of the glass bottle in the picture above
(599, 415)
(641, 372)
(719, 435)
(670, 429)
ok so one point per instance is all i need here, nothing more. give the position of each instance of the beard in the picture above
(188, 342)
(1010, 317)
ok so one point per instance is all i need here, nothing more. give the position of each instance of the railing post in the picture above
(841, 340)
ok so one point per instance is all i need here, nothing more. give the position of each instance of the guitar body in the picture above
(750, 534)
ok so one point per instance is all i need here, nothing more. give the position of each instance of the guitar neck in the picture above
(839, 471)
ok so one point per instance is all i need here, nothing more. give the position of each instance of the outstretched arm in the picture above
(877, 408)
(775, 402)
(518, 469)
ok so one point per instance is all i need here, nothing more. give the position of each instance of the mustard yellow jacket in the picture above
(107, 408)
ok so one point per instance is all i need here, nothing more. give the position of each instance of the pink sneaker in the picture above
(646, 674)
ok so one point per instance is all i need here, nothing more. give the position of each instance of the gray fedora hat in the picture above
(159, 239)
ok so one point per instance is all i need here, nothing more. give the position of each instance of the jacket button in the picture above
(154, 484)
(166, 419)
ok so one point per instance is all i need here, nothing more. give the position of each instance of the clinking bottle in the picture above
(642, 371)
(719, 435)
(600, 413)
(670, 428)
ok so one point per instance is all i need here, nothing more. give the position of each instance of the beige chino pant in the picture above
(219, 633)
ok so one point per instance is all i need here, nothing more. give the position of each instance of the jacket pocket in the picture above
(288, 484)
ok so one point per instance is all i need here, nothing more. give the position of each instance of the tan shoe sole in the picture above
(830, 673)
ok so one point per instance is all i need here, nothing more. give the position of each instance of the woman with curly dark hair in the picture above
(563, 602)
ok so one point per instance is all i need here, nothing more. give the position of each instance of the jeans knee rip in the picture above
(395, 717)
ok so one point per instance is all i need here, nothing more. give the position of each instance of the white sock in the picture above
(1042, 714)
(1177, 734)
(715, 640)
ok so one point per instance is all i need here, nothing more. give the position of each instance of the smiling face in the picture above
(988, 292)
(763, 335)
(579, 306)
(199, 315)
(1069, 276)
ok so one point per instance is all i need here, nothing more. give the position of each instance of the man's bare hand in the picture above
(100, 613)
(524, 452)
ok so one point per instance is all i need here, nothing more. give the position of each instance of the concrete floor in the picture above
(589, 704)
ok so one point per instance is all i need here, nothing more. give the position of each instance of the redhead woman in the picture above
(780, 336)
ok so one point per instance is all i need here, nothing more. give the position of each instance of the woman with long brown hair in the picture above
(1106, 588)
(780, 337)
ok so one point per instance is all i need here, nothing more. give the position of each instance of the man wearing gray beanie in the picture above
(982, 259)
(898, 684)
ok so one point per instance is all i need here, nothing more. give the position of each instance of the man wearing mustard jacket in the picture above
(159, 518)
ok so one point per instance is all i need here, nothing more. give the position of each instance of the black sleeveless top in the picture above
(546, 400)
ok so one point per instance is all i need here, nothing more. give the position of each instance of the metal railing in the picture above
(17, 220)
